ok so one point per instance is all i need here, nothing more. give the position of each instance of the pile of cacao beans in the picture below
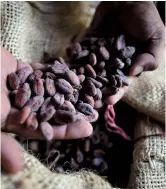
(60, 95)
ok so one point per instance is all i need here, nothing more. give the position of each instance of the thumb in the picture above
(11, 155)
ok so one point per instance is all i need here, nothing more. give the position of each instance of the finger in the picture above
(11, 155)
(143, 62)
(115, 98)
(38, 66)
(153, 56)
(79, 129)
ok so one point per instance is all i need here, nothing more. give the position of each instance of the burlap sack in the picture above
(32, 33)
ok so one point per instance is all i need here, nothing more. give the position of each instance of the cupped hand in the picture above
(12, 159)
(141, 23)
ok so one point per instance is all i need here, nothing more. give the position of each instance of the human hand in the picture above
(10, 120)
(141, 23)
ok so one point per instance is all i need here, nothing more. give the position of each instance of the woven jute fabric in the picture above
(148, 168)
(38, 31)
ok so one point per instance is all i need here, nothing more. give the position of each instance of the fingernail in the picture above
(138, 70)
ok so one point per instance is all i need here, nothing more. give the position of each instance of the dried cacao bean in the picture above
(68, 106)
(50, 87)
(85, 108)
(79, 156)
(127, 52)
(92, 117)
(47, 114)
(91, 72)
(81, 70)
(96, 83)
(38, 87)
(89, 100)
(90, 87)
(58, 68)
(35, 103)
(32, 122)
(24, 113)
(128, 62)
(23, 74)
(22, 96)
(102, 79)
(118, 63)
(64, 86)
(50, 75)
(58, 99)
(82, 54)
(120, 43)
(37, 74)
(73, 98)
(47, 130)
(13, 81)
(81, 78)
(72, 78)
(47, 102)
(92, 59)
(101, 42)
(119, 81)
(100, 66)
(64, 117)
(104, 53)
(112, 81)
(98, 95)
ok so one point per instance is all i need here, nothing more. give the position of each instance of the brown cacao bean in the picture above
(47, 102)
(35, 103)
(104, 53)
(50, 86)
(98, 95)
(23, 74)
(58, 99)
(38, 87)
(110, 91)
(89, 100)
(13, 81)
(61, 60)
(127, 52)
(100, 66)
(92, 117)
(72, 78)
(58, 68)
(47, 114)
(50, 75)
(64, 117)
(101, 42)
(119, 81)
(47, 130)
(90, 87)
(82, 54)
(92, 59)
(32, 122)
(96, 83)
(74, 97)
(22, 96)
(120, 43)
(81, 78)
(85, 108)
(128, 62)
(81, 70)
(118, 63)
(64, 86)
(68, 106)
(90, 71)
(37, 74)
(113, 81)
(102, 79)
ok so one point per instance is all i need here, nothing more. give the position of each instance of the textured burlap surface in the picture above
(37, 31)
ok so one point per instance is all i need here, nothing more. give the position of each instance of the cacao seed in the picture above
(14, 81)
(38, 87)
(23, 74)
(47, 130)
(37, 74)
(58, 99)
(50, 87)
(64, 86)
(35, 103)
